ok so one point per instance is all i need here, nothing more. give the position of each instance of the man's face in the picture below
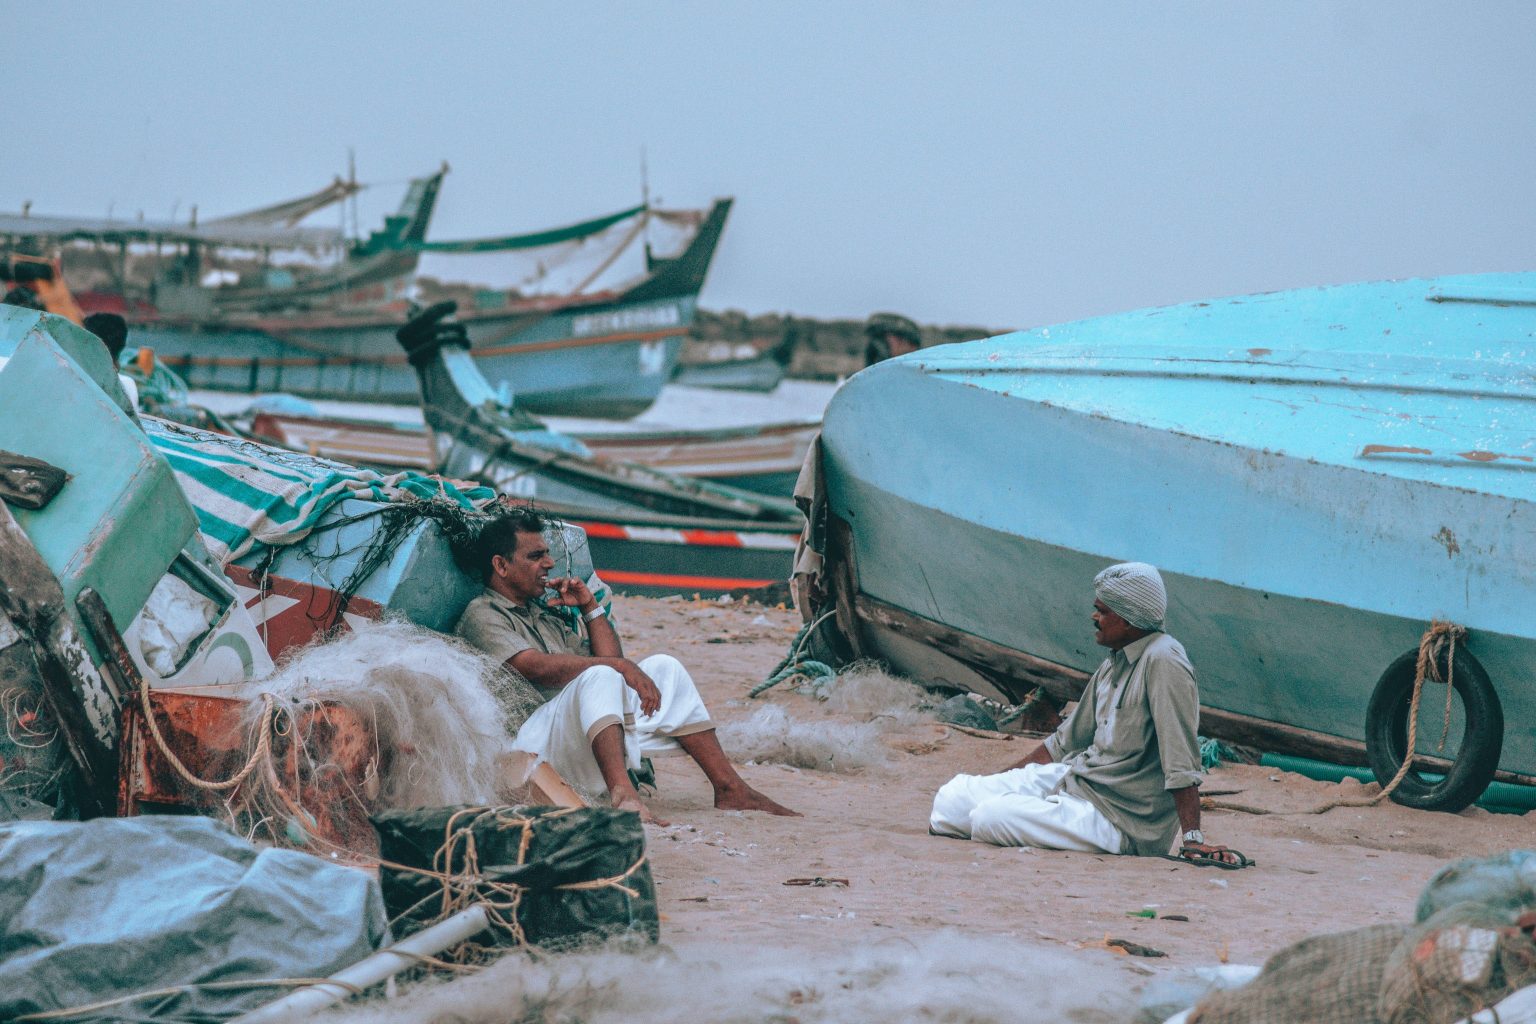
(899, 345)
(523, 574)
(1110, 630)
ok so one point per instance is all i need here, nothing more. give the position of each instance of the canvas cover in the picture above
(247, 494)
(94, 910)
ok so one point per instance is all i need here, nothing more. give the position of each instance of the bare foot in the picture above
(631, 802)
(745, 798)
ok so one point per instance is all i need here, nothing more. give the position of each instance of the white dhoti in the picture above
(1022, 807)
(562, 729)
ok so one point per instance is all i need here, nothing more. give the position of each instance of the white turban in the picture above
(1134, 591)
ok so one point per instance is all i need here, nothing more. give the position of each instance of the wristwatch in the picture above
(1194, 836)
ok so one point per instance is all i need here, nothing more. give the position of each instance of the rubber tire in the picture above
(1386, 734)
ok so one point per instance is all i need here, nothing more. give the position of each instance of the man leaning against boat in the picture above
(602, 711)
(1122, 773)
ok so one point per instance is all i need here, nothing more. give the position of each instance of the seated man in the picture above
(602, 712)
(1122, 773)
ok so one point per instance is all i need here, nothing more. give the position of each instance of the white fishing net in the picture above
(441, 713)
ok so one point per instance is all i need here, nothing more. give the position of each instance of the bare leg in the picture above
(731, 791)
(608, 749)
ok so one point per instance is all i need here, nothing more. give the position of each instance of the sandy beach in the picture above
(721, 876)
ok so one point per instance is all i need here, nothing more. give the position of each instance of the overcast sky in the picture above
(1002, 164)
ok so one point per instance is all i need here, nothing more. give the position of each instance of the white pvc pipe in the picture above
(384, 964)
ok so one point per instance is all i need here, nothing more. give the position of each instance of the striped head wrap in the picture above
(1134, 591)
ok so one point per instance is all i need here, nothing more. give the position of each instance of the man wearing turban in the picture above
(1122, 773)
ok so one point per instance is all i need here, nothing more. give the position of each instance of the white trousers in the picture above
(562, 729)
(1022, 807)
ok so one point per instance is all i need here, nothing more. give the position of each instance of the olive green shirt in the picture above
(1133, 738)
(503, 629)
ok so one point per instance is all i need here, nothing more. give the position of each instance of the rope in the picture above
(796, 662)
(1440, 638)
(262, 752)
(75, 1011)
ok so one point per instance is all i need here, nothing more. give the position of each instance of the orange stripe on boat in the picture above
(650, 579)
(607, 531)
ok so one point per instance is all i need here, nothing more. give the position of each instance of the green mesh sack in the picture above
(1463, 959)
(1325, 979)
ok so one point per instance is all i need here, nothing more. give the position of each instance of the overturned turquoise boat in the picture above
(1319, 474)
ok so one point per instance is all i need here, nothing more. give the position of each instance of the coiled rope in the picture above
(797, 663)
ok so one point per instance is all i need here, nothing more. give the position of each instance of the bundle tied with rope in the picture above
(549, 878)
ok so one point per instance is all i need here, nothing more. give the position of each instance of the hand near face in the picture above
(570, 592)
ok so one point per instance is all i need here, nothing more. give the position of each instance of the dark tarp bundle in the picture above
(559, 877)
(94, 910)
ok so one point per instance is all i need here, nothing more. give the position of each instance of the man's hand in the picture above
(571, 592)
(644, 686)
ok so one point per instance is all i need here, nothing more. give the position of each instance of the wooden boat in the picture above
(600, 344)
(117, 545)
(651, 532)
(1318, 474)
(742, 366)
(763, 459)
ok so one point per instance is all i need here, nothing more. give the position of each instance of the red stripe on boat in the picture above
(716, 538)
(651, 579)
(609, 531)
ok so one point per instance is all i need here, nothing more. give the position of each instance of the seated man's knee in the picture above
(997, 821)
(951, 808)
(600, 681)
(663, 663)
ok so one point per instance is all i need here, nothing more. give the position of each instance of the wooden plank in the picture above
(33, 601)
(844, 581)
(119, 671)
(993, 659)
(27, 482)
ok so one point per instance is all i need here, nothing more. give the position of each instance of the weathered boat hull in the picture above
(551, 366)
(1315, 486)
(599, 355)
(764, 460)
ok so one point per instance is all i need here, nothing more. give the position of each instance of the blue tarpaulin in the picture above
(90, 911)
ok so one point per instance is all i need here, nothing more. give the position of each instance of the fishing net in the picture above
(440, 713)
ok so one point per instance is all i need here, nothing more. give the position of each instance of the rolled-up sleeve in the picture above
(1076, 733)
(1174, 702)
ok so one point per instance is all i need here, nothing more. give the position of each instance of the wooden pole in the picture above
(73, 692)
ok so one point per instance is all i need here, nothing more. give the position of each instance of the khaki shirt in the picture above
(1132, 738)
(503, 629)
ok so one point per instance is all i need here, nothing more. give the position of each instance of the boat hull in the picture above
(608, 360)
(1294, 583)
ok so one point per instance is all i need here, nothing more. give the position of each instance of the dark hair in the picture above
(499, 536)
(111, 329)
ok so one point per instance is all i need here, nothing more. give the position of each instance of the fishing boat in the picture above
(155, 568)
(764, 459)
(593, 327)
(650, 532)
(738, 366)
(1319, 475)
